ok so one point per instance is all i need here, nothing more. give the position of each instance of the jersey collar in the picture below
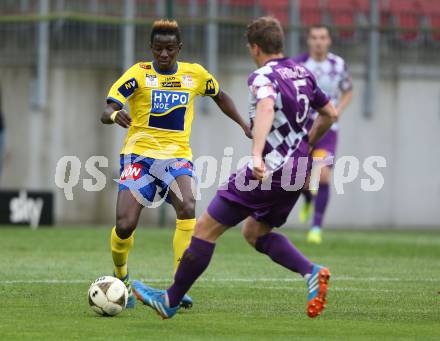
(171, 72)
(276, 60)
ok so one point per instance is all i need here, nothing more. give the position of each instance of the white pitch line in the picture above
(223, 280)
(332, 289)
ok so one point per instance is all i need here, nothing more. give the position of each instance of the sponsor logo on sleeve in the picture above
(210, 87)
(145, 66)
(128, 87)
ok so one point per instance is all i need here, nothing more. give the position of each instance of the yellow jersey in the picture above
(161, 107)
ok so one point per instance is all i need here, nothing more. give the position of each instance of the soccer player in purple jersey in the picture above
(333, 78)
(281, 92)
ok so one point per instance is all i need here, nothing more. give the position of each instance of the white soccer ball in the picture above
(108, 296)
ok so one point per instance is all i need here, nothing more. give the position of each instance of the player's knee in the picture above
(205, 230)
(201, 230)
(186, 209)
(250, 235)
(125, 226)
(325, 175)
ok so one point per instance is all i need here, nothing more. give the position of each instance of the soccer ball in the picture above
(108, 296)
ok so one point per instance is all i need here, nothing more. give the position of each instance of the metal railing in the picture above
(114, 34)
(91, 32)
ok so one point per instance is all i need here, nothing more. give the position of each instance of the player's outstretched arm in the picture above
(344, 101)
(327, 116)
(225, 103)
(264, 117)
(113, 113)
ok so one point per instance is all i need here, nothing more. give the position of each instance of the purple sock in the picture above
(307, 195)
(194, 261)
(321, 204)
(283, 252)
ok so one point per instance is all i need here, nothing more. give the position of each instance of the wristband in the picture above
(113, 115)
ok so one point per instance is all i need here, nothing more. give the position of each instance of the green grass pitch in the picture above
(385, 285)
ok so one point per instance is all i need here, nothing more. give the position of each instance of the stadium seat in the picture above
(406, 15)
(277, 8)
(238, 2)
(363, 7)
(237, 9)
(311, 12)
(342, 13)
(431, 10)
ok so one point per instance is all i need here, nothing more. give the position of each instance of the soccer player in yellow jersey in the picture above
(156, 153)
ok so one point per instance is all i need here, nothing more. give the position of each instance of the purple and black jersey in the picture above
(294, 91)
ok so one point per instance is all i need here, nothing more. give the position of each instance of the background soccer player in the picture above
(334, 79)
(280, 94)
(157, 153)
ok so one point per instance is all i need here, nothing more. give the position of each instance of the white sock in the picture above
(167, 301)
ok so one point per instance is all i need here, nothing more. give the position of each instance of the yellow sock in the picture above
(182, 238)
(120, 248)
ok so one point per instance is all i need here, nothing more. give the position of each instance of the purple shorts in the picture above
(230, 206)
(327, 143)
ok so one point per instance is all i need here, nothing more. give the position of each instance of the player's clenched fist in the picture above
(258, 168)
(122, 118)
(247, 131)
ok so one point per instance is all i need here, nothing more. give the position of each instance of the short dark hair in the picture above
(167, 27)
(267, 33)
(318, 26)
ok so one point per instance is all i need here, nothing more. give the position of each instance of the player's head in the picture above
(165, 43)
(265, 39)
(319, 40)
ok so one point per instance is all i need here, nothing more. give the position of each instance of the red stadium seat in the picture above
(407, 17)
(342, 13)
(238, 2)
(431, 10)
(278, 8)
(363, 7)
(311, 12)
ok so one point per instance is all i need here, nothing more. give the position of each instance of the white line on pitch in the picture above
(333, 289)
(222, 280)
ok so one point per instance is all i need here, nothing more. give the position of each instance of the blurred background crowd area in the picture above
(89, 31)
(58, 59)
